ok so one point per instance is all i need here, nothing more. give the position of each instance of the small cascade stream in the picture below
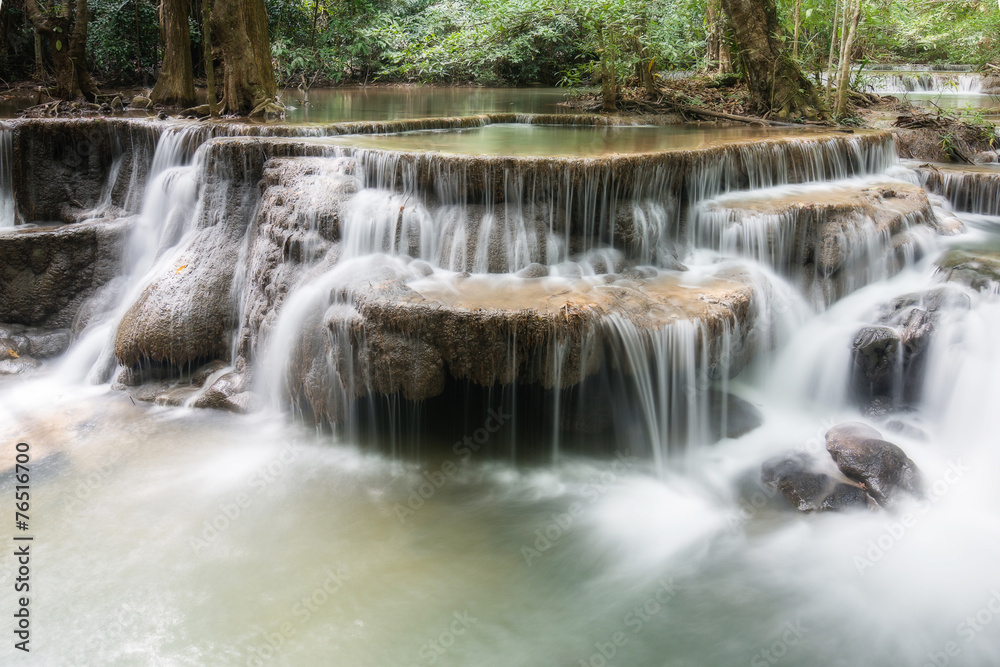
(502, 410)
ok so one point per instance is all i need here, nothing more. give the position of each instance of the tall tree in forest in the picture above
(175, 84)
(719, 56)
(776, 83)
(67, 34)
(206, 42)
(239, 28)
(833, 44)
(851, 19)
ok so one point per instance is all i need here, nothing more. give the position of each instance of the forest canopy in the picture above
(504, 42)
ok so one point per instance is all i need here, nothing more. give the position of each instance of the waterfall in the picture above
(975, 189)
(902, 83)
(8, 212)
(336, 281)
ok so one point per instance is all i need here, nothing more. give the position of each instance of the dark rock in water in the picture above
(863, 456)
(46, 274)
(907, 429)
(793, 475)
(846, 496)
(797, 477)
(741, 417)
(876, 350)
(889, 358)
(879, 407)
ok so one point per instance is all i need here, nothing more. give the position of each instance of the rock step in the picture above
(969, 188)
(833, 238)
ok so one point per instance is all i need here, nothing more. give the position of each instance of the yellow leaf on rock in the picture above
(181, 268)
(13, 354)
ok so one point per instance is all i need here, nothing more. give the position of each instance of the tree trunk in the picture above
(240, 29)
(39, 63)
(206, 38)
(795, 38)
(645, 71)
(719, 58)
(844, 80)
(68, 36)
(833, 43)
(776, 83)
(175, 84)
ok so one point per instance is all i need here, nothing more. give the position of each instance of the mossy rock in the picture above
(978, 269)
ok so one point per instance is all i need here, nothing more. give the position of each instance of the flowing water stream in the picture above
(185, 536)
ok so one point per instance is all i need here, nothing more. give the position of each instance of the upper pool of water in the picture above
(333, 105)
(536, 140)
(352, 104)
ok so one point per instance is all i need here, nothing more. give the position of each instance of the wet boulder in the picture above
(890, 356)
(794, 476)
(798, 477)
(881, 467)
(876, 351)
(846, 496)
(732, 417)
(185, 315)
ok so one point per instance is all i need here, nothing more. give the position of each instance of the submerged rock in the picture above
(979, 269)
(797, 477)
(882, 467)
(16, 365)
(794, 477)
(740, 416)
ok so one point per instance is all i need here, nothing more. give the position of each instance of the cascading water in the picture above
(901, 83)
(7, 208)
(503, 309)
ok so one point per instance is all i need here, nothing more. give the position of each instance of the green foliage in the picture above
(113, 35)
(958, 31)
(490, 42)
